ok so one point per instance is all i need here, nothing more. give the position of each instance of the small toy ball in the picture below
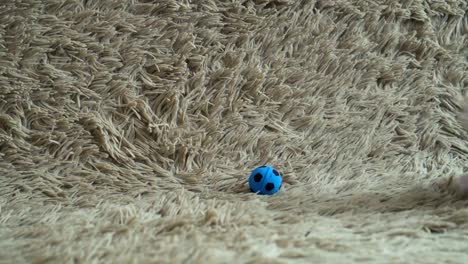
(265, 180)
(459, 186)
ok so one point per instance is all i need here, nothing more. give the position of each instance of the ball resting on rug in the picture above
(265, 180)
(459, 186)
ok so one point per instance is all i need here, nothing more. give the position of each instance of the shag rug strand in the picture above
(128, 130)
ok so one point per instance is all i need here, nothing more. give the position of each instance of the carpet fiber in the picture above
(128, 130)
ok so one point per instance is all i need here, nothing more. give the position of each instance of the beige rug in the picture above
(128, 130)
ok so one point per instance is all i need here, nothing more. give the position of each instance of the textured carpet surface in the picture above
(128, 130)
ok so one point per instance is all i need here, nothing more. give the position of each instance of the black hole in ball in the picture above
(258, 177)
(276, 172)
(269, 186)
(262, 166)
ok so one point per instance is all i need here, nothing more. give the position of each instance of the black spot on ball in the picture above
(262, 167)
(258, 177)
(276, 172)
(269, 186)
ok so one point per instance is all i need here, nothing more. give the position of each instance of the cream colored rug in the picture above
(128, 130)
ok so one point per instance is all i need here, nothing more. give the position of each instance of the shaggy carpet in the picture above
(128, 130)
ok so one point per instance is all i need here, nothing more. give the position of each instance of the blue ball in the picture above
(265, 180)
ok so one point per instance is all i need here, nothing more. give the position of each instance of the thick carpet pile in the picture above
(128, 130)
